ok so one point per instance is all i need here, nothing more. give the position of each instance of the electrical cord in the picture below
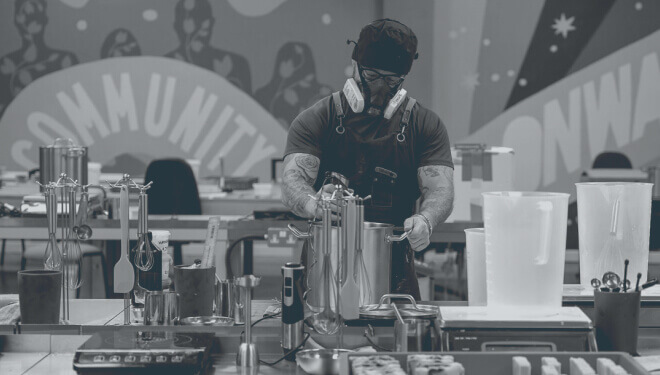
(265, 317)
(230, 250)
(302, 343)
(270, 316)
(375, 345)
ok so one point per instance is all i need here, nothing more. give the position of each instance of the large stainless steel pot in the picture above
(376, 250)
(63, 156)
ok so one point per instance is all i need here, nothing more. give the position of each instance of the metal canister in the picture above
(63, 156)
(376, 251)
(415, 335)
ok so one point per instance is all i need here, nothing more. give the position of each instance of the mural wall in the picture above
(153, 78)
(557, 80)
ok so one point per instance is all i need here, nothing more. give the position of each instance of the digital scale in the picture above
(478, 328)
(144, 352)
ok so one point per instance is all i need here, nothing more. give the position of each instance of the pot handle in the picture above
(391, 238)
(296, 232)
(388, 297)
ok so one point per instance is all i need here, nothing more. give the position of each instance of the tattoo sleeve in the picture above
(298, 178)
(436, 183)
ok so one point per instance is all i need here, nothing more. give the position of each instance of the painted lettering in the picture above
(38, 122)
(120, 102)
(215, 131)
(19, 150)
(525, 135)
(648, 92)
(153, 126)
(609, 110)
(244, 127)
(561, 134)
(193, 118)
(83, 114)
(257, 154)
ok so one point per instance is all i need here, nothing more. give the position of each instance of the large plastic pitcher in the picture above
(475, 254)
(614, 223)
(525, 248)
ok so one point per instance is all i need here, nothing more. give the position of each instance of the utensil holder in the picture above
(196, 288)
(617, 321)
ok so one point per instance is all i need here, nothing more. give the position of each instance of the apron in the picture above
(384, 168)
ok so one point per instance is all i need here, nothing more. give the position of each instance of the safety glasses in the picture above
(371, 75)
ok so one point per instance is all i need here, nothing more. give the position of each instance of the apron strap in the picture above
(336, 98)
(405, 119)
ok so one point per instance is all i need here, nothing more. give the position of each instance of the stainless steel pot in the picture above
(376, 250)
(63, 156)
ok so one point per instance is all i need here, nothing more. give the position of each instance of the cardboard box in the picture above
(478, 169)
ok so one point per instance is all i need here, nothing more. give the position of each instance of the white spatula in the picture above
(123, 272)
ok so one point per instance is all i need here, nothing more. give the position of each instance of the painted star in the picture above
(563, 25)
(470, 81)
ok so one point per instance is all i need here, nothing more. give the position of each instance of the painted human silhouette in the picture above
(120, 42)
(293, 86)
(34, 59)
(193, 23)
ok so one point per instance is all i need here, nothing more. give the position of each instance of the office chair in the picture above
(174, 192)
(610, 159)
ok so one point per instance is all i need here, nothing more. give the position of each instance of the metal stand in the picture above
(69, 254)
(127, 183)
(248, 356)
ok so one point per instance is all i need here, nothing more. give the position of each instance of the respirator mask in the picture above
(377, 94)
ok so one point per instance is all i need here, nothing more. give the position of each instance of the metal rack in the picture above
(125, 184)
(67, 257)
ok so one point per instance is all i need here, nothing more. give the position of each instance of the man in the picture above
(386, 144)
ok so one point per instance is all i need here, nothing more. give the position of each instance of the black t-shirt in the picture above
(429, 135)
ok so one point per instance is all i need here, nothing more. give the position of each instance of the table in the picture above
(213, 200)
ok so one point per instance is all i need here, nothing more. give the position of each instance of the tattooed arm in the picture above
(437, 185)
(299, 174)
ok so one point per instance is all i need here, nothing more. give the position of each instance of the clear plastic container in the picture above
(475, 253)
(614, 223)
(525, 248)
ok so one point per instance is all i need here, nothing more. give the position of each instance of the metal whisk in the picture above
(72, 251)
(144, 254)
(53, 254)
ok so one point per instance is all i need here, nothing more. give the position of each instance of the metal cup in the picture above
(415, 335)
(224, 298)
(239, 303)
(161, 308)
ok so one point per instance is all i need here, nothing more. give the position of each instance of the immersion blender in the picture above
(292, 308)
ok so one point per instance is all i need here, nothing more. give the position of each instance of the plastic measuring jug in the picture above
(525, 248)
(475, 254)
(614, 223)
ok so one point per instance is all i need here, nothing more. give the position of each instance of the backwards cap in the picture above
(386, 44)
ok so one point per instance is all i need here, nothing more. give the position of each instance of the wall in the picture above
(559, 81)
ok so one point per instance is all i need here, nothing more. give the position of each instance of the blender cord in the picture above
(302, 343)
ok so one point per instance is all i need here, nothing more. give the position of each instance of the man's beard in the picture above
(377, 97)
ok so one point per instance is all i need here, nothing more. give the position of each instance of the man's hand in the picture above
(315, 209)
(419, 236)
